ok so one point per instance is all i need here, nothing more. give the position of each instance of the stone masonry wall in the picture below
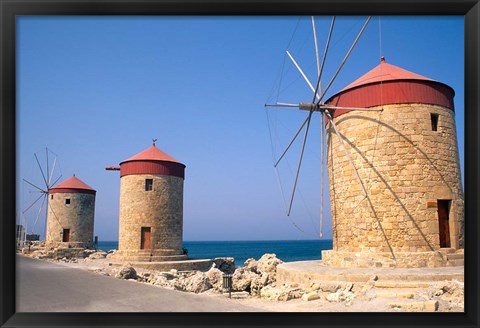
(406, 167)
(78, 216)
(161, 209)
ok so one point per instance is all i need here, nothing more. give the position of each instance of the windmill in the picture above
(317, 105)
(46, 173)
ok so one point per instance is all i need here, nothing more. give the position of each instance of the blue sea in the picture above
(286, 250)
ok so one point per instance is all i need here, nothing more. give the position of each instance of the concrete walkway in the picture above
(49, 287)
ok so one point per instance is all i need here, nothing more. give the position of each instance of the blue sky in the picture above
(97, 90)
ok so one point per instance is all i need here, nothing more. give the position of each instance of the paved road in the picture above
(49, 287)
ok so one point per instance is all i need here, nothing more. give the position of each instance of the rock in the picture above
(280, 294)
(242, 279)
(127, 272)
(251, 264)
(225, 264)
(215, 276)
(268, 264)
(314, 287)
(342, 295)
(258, 283)
(88, 252)
(330, 287)
(97, 255)
(197, 283)
(372, 280)
(428, 306)
(310, 296)
(160, 280)
(451, 293)
(334, 297)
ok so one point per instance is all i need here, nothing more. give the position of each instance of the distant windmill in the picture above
(325, 111)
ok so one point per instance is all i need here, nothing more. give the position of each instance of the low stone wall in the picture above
(156, 255)
(121, 256)
(188, 265)
(306, 273)
(64, 245)
(69, 253)
(432, 259)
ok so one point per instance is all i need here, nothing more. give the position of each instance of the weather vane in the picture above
(154, 140)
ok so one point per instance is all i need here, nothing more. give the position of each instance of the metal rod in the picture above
(346, 57)
(300, 162)
(291, 142)
(346, 153)
(304, 76)
(317, 88)
(41, 170)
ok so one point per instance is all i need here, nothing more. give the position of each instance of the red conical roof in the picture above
(73, 184)
(389, 84)
(152, 161)
(385, 72)
(152, 154)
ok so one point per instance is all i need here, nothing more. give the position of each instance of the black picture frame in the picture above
(9, 9)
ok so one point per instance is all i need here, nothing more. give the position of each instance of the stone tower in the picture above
(151, 208)
(407, 158)
(70, 218)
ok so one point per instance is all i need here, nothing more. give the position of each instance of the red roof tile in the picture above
(72, 183)
(152, 154)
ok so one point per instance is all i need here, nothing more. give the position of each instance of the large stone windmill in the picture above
(393, 167)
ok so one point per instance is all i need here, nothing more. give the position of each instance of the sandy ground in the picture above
(366, 301)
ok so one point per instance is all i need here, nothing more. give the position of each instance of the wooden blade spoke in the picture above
(36, 200)
(303, 75)
(291, 142)
(34, 186)
(48, 169)
(345, 59)
(57, 180)
(51, 173)
(41, 170)
(316, 46)
(39, 212)
(317, 88)
(300, 161)
(282, 105)
(322, 169)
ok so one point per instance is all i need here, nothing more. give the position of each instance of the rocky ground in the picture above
(255, 284)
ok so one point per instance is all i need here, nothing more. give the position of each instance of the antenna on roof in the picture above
(154, 140)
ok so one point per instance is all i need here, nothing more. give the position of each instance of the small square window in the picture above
(148, 184)
(67, 201)
(434, 118)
